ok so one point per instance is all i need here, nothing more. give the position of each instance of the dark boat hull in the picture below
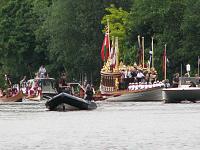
(154, 94)
(64, 101)
(176, 95)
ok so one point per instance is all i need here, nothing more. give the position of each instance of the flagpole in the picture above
(142, 52)
(181, 72)
(111, 54)
(117, 53)
(198, 66)
(91, 82)
(108, 35)
(152, 52)
(165, 73)
(139, 51)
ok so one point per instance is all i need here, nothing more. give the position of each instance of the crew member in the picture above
(89, 93)
(42, 72)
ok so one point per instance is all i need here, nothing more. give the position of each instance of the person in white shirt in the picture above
(140, 76)
(42, 72)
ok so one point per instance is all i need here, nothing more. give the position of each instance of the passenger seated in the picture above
(192, 84)
(63, 85)
(153, 76)
(140, 76)
(166, 83)
(122, 81)
(133, 74)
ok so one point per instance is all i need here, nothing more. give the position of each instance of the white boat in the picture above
(110, 91)
(183, 92)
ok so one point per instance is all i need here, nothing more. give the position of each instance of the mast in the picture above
(117, 53)
(198, 66)
(152, 51)
(181, 73)
(139, 53)
(108, 36)
(165, 63)
(142, 52)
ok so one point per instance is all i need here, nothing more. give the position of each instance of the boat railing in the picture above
(187, 80)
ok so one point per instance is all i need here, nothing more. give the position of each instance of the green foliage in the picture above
(19, 22)
(17, 37)
(74, 37)
(124, 4)
(117, 19)
(67, 35)
(161, 19)
(190, 46)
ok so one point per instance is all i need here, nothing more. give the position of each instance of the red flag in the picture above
(164, 62)
(105, 48)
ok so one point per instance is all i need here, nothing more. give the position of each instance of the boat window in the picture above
(47, 85)
(187, 80)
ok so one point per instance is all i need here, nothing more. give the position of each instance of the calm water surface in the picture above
(113, 126)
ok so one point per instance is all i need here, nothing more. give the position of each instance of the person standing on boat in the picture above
(89, 93)
(133, 74)
(63, 86)
(23, 82)
(8, 85)
(42, 72)
(175, 82)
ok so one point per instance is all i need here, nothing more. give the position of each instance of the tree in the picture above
(161, 19)
(191, 31)
(117, 19)
(74, 36)
(18, 23)
(17, 37)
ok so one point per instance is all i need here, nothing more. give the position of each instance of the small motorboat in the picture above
(183, 92)
(64, 102)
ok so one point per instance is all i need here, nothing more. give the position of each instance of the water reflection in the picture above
(128, 126)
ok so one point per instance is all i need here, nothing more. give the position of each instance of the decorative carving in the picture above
(116, 84)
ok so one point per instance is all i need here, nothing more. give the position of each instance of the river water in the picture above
(112, 126)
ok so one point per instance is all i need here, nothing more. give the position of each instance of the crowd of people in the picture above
(134, 77)
(8, 90)
(30, 88)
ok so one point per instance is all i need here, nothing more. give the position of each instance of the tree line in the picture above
(66, 36)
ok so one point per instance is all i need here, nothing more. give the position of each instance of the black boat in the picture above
(64, 102)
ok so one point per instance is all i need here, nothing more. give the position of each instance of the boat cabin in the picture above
(77, 89)
(48, 86)
(186, 81)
